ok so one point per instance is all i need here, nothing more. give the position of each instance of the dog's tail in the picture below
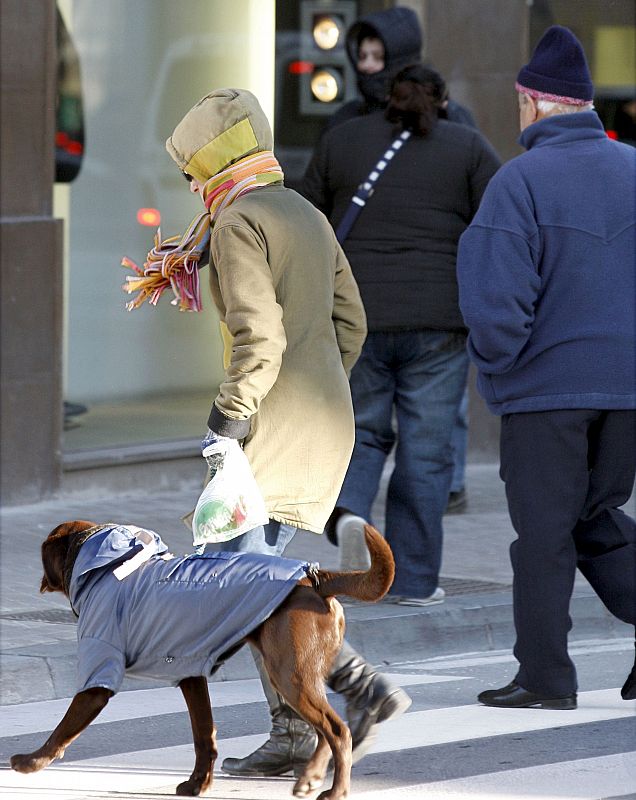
(371, 585)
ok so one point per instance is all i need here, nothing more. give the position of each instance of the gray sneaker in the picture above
(354, 553)
(433, 599)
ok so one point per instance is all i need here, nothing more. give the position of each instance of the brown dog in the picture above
(298, 642)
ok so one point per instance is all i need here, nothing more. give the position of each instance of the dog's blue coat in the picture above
(169, 619)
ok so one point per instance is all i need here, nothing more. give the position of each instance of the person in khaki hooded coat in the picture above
(293, 325)
(285, 292)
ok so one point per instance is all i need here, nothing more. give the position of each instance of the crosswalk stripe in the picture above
(143, 703)
(424, 728)
(583, 779)
(479, 659)
(454, 724)
(160, 769)
(417, 729)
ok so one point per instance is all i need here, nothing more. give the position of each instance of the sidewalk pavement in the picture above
(37, 632)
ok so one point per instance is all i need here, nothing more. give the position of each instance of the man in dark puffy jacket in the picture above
(546, 277)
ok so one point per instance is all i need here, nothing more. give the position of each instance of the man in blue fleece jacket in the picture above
(546, 283)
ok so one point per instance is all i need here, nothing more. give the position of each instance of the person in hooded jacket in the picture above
(293, 325)
(378, 45)
(402, 249)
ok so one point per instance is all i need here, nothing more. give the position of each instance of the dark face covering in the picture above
(375, 88)
(398, 30)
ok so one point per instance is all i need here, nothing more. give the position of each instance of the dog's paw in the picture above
(192, 787)
(331, 794)
(188, 789)
(306, 786)
(29, 762)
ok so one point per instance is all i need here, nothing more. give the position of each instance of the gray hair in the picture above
(550, 107)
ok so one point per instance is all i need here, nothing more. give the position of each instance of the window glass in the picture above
(149, 375)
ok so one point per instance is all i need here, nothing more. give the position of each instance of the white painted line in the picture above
(415, 729)
(444, 725)
(136, 704)
(16, 720)
(72, 782)
(160, 769)
(476, 659)
(417, 679)
(584, 779)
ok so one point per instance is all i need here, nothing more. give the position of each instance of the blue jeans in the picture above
(459, 442)
(269, 540)
(422, 374)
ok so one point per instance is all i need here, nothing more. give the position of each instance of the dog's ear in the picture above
(45, 586)
(54, 550)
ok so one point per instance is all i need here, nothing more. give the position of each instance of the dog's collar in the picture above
(73, 549)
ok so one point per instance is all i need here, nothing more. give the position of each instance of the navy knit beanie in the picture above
(558, 70)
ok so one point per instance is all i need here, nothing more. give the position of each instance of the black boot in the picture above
(371, 697)
(291, 742)
(628, 692)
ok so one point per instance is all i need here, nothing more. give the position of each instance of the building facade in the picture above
(89, 388)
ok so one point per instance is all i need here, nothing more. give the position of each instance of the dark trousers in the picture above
(566, 474)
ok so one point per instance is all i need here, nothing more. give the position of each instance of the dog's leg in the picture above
(84, 707)
(195, 692)
(298, 644)
(334, 736)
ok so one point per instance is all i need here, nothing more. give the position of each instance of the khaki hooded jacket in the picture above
(284, 289)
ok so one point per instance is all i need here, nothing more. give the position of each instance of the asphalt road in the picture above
(446, 745)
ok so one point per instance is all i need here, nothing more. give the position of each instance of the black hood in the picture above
(399, 30)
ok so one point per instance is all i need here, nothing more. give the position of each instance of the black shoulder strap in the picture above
(366, 188)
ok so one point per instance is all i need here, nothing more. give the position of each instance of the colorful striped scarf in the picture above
(174, 262)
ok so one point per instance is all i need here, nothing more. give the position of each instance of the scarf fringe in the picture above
(173, 264)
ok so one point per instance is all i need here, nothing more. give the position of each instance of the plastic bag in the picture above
(231, 503)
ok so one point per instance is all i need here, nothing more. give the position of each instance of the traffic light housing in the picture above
(326, 77)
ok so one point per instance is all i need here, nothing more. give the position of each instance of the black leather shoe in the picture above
(514, 696)
(628, 692)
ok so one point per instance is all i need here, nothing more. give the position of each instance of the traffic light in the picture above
(326, 78)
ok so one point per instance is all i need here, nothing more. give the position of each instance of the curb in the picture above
(471, 623)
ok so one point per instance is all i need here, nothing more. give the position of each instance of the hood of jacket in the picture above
(399, 30)
(223, 127)
(110, 547)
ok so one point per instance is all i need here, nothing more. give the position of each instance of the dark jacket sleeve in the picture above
(314, 185)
